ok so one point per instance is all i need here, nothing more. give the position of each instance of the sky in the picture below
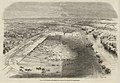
(59, 10)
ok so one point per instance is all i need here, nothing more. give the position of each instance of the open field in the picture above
(49, 48)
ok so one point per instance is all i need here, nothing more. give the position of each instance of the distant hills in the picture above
(60, 10)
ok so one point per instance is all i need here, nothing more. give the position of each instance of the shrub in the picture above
(107, 71)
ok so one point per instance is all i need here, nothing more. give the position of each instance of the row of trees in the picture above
(109, 43)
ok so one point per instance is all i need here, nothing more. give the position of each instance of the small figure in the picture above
(20, 70)
(98, 56)
(21, 67)
(28, 70)
(39, 68)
